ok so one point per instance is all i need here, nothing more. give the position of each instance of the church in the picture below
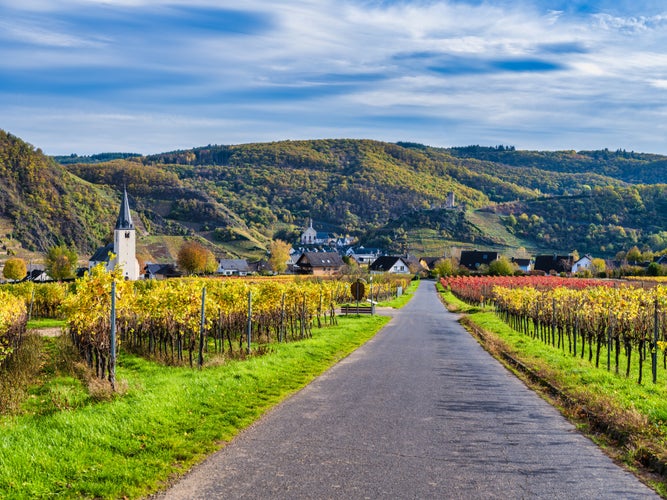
(123, 248)
(312, 237)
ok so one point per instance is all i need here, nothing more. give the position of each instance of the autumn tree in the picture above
(599, 266)
(634, 255)
(15, 269)
(280, 252)
(501, 267)
(194, 258)
(444, 267)
(61, 262)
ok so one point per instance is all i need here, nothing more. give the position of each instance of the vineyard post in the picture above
(249, 329)
(370, 280)
(201, 328)
(654, 347)
(553, 321)
(282, 318)
(610, 329)
(112, 341)
(303, 317)
(32, 301)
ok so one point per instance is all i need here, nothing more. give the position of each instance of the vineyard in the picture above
(13, 318)
(592, 319)
(179, 321)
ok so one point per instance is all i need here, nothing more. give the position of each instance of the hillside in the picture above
(45, 205)
(239, 197)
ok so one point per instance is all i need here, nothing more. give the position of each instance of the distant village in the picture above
(319, 253)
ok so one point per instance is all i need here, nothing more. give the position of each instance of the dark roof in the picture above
(386, 262)
(102, 253)
(259, 266)
(556, 263)
(240, 265)
(366, 250)
(320, 259)
(168, 270)
(124, 218)
(431, 261)
(35, 275)
(521, 262)
(472, 259)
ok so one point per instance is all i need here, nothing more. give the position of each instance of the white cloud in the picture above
(202, 86)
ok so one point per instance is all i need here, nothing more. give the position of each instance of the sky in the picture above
(150, 76)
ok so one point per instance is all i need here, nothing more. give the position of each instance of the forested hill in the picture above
(631, 167)
(239, 197)
(45, 204)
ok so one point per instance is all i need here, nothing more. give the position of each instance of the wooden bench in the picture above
(356, 310)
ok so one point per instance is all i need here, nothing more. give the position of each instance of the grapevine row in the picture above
(162, 319)
(585, 318)
(13, 318)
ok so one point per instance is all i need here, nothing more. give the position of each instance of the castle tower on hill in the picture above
(125, 243)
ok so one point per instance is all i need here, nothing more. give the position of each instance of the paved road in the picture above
(421, 411)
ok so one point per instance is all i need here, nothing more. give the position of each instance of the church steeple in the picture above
(124, 218)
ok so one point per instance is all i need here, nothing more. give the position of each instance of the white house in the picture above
(583, 264)
(388, 264)
(123, 247)
(233, 267)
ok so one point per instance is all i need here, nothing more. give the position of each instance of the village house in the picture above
(233, 267)
(583, 264)
(429, 263)
(553, 263)
(160, 271)
(363, 256)
(524, 264)
(389, 264)
(473, 259)
(319, 263)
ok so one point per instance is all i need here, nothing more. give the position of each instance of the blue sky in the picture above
(147, 76)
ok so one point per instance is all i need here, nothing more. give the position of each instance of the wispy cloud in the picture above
(538, 74)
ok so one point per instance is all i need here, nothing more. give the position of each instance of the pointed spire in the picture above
(124, 218)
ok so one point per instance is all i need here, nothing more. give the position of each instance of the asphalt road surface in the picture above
(421, 411)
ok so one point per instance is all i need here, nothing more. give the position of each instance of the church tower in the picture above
(124, 242)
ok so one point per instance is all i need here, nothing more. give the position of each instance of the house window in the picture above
(127, 234)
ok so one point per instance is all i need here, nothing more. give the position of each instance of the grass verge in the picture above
(65, 443)
(34, 324)
(628, 420)
(399, 302)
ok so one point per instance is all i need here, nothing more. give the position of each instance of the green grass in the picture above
(69, 444)
(46, 323)
(399, 302)
(637, 412)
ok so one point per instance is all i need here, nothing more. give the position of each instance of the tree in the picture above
(653, 269)
(444, 267)
(280, 252)
(501, 267)
(194, 258)
(61, 262)
(15, 269)
(634, 255)
(599, 266)
(211, 263)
